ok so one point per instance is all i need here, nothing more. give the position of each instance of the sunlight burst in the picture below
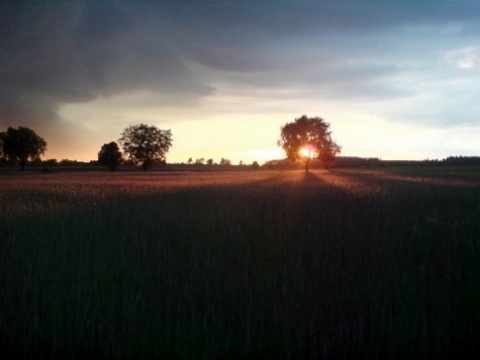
(306, 151)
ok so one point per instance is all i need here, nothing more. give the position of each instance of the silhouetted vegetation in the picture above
(462, 160)
(353, 161)
(225, 161)
(21, 145)
(146, 144)
(50, 162)
(110, 155)
(311, 135)
(360, 162)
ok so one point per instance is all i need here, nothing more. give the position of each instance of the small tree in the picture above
(145, 144)
(307, 138)
(50, 162)
(225, 161)
(110, 155)
(2, 155)
(22, 145)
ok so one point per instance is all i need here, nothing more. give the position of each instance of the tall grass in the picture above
(184, 265)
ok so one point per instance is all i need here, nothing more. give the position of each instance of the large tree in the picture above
(307, 138)
(145, 144)
(110, 155)
(21, 145)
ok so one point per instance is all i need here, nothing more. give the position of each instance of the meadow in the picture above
(202, 265)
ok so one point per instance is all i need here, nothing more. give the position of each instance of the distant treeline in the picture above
(128, 164)
(340, 162)
(354, 161)
(449, 161)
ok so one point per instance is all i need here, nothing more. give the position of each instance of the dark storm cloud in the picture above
(56, 53)
(53, 53)
(311, 44)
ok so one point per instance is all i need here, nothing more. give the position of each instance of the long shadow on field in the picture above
(308, 265)
(332, 180)
(389, 181)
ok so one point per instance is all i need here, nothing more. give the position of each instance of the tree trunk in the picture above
(22, 163)
(307, 164)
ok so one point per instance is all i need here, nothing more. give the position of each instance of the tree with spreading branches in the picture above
(308, 138)
(145, 144)
(21, 145)
(110, 155)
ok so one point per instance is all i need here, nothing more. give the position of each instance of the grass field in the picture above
(185, 265)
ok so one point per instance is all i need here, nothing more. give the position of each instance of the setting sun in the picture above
(305, 152)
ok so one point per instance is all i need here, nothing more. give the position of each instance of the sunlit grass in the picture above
(341, 264)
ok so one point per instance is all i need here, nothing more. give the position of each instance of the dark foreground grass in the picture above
(344, 264)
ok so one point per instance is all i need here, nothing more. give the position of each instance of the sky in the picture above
(396, 79)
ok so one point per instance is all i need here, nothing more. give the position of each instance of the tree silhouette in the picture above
(22, 145)
(307, 138)
(225, 161)
(145, 144)
(110, 155)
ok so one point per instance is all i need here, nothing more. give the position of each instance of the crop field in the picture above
(203, 265)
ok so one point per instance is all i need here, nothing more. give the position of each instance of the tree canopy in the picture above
(110, 155)
(225, 161)
(307, 138)
(145, 144)
(21, 145)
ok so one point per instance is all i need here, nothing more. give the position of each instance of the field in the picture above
(283, 264)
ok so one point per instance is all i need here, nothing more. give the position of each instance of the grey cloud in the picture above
(332, 82)
(62, 53)
(303, 16)
(237, 38)
(56, 53)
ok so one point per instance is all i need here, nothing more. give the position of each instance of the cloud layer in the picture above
(422, 56)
